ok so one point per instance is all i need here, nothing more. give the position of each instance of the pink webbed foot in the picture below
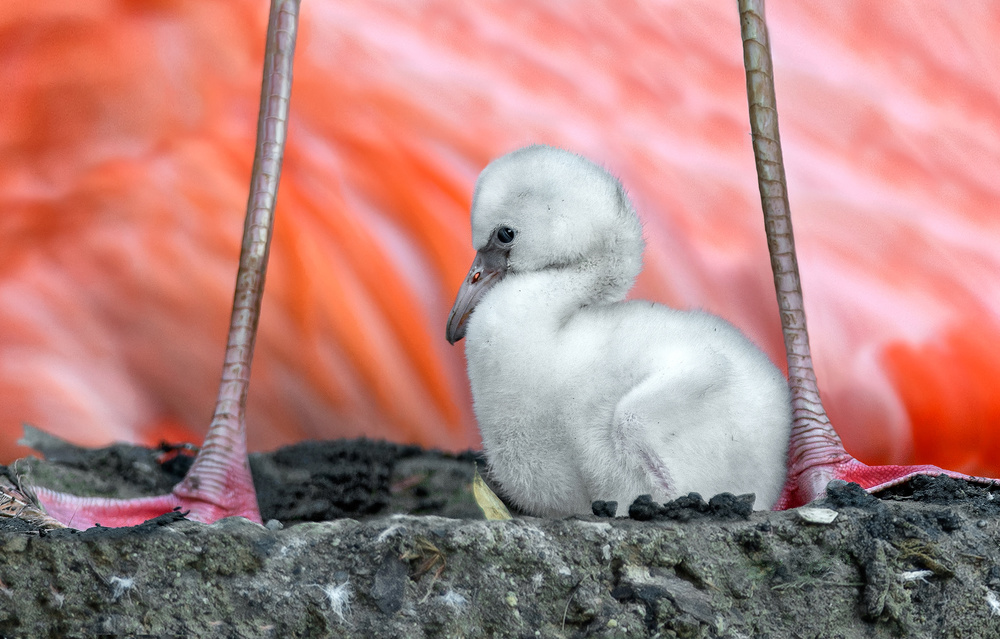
(218, 483)
(816, 455)
(815, 452)
(811, 484)
(84, 512)
(237, 498)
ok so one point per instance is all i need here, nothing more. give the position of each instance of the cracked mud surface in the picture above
(385, 540)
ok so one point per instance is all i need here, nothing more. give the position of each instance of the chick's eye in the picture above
(505, 234)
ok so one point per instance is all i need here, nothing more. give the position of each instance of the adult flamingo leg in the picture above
(816, 454)
(218, 483)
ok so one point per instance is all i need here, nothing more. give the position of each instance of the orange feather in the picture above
(127, 133)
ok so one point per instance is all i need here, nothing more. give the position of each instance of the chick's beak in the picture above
(488, 268)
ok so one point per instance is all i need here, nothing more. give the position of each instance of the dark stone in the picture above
(692, 506)
(390, 584)
(644, 508)
(604, 508)
(729, 506)
(849, 495)
(685, 508)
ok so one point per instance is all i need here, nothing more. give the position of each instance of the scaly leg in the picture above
(815, 453)
(219, 483)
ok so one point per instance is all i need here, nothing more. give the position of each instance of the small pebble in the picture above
(816, 515)
(644, 508)
(604, 508)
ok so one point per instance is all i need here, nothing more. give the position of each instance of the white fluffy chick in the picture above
(581, 396)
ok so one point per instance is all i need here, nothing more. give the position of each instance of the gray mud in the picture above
(377, 539)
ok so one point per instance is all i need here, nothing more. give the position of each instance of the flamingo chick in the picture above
(580, 395)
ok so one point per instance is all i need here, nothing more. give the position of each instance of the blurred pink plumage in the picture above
(127, 132)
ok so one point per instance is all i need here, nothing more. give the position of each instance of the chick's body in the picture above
(582, 396)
